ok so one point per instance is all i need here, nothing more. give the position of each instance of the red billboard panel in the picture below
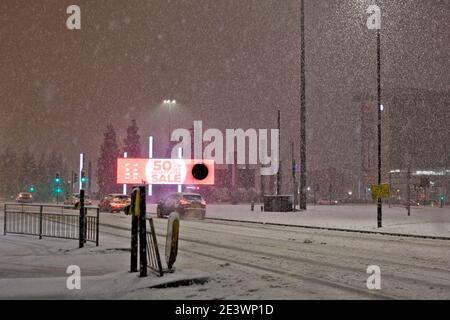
(163, 171)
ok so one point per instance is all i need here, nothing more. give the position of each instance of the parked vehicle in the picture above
(186, 204)
(114, 202)
(24, 197)
(327, 202)
(74, 200)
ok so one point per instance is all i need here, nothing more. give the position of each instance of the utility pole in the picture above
(279, 147)
(390, 187)
(315, 192)
(329, 192)
(170, 103)
(89, 178)
(261, 181)
(302, 198)
(374, 23)
(294, 178)
(72, 178)
(408, 190)
(379, 202)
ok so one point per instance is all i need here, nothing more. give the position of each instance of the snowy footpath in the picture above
(40, 269)
(425, 221)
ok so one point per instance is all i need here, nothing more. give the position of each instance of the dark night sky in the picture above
(230, 63)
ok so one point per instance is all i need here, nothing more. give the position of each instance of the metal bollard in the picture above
(252, 206)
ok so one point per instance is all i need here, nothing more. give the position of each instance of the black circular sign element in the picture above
(200, 171)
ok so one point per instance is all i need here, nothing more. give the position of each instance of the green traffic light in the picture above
(32, 189)
(83, 177)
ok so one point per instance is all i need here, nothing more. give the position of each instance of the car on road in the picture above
(24, 197)
(186, 204)
(74, 200)
(327, 202)
(114, 202)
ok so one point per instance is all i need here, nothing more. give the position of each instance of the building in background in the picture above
(415, 133)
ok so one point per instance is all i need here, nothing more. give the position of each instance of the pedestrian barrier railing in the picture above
(52, 221)
(154, 259)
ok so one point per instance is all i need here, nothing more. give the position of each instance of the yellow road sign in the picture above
(380, 191)
(137, 203)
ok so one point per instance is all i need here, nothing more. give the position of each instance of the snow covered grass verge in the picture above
(38, 269)
(110, 286)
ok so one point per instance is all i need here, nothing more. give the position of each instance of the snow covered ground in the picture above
(37, 269)
(240, 261)
(423, 220)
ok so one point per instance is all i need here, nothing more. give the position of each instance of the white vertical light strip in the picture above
(124, 185)
(150, 147)
(81, 169)
(180, 155)
(150, 155)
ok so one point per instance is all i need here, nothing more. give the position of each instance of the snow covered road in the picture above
(256, 261)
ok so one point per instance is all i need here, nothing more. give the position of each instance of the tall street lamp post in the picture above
(374, 23)
(170, 103)
(302, 198)
(279, 168)
(379, 202)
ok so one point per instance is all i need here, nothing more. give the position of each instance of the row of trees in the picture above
(110, 151)
(21, 170)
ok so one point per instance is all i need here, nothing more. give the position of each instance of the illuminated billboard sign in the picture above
(165, 171)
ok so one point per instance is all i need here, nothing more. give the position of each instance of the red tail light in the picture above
(183, 201)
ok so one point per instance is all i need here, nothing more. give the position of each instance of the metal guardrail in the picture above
(154, 259)
(38, 220)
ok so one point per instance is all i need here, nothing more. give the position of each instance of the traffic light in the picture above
(57, 178)
(58, 190)
(31, 189)
(83, 177)
(441, 201)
